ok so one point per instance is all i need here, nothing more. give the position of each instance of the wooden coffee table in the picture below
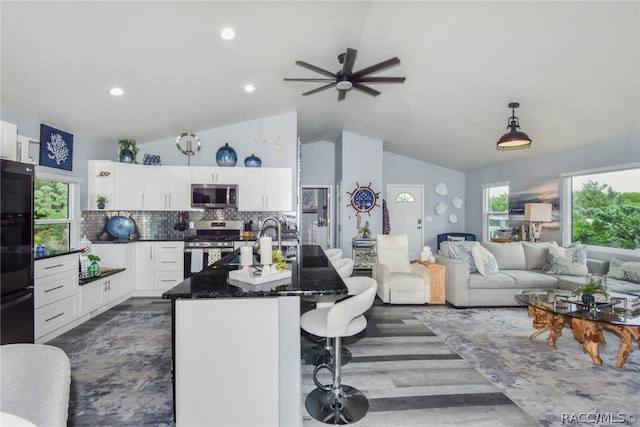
(552, 311)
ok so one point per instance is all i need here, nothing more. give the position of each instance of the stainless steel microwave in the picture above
(214, 196)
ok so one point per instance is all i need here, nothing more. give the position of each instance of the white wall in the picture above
(278, 147)
(361, 164)
(402, 170)
(84, 149)
(318, 163)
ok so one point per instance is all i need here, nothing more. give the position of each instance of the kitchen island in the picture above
(236, 347)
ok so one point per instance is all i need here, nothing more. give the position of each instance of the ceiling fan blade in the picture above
(384, 65)
(287, 79)
(316, 69)
(320, 89)
(365, 89)
(382, 80)
(349, 61)
(341, 95)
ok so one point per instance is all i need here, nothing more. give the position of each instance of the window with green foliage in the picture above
(496, 209)
(606, 208)
(54, 213)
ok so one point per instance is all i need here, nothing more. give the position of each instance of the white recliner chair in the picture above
(338, 403)
(399, 281)
(35, 381)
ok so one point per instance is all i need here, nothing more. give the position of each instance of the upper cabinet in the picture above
(213, 175)
(167, 188)
(128, 186)
(264, 189)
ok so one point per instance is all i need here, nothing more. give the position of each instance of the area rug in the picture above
(554, 386)
(121, 372)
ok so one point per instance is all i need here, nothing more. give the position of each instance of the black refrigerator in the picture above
(16, 253)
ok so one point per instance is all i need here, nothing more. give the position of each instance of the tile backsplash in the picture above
(159, 225)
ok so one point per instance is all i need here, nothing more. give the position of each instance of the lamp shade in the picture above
(537, 212)
(514, 139)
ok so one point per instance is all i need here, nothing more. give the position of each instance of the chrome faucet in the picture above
(279, 227)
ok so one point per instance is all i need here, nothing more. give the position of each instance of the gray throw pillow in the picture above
(463, 253)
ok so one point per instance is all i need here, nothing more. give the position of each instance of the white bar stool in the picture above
(321, 353)
(339, 403)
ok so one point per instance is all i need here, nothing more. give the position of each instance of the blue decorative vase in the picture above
(126, 156)
(226, 156)
(588, 300)
(253, 161)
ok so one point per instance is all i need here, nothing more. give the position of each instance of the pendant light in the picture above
(514, 139)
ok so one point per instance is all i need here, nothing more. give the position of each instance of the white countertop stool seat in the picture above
(338, 403)
(36, 380)
(321, 353)
(333, 253)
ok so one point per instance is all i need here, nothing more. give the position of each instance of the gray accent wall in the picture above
(545, 168)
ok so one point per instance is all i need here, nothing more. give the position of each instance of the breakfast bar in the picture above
(236, 346)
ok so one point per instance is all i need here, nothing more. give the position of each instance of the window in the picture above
(405, 198)
(604, 207)
(496, 209)
(55, 205)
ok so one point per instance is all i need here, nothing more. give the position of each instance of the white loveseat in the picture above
(520, 267)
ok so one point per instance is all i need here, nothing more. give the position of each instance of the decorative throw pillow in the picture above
(463, 253)
(571, 260)
(624, 270)
(485, 261)
(456, 238)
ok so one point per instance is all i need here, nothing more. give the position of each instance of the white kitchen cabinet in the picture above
(9, 141)
(159, 266)
(122, 184)
(94, 295)
(118, 255)
(55, 294)
(129, 187)
(213, 175)
(167, 188)
(264, 189)
(168, 265)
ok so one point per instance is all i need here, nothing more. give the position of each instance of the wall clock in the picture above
(363, 198)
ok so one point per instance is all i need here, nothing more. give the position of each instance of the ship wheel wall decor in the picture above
(363, 198)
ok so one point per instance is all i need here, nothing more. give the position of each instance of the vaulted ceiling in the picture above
(573, 66)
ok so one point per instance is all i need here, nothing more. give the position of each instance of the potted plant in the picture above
(590, 290)
(94, 268)
(101, 201)
(128, 150)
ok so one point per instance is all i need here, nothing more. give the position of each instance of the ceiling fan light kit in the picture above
(514, 139)
(346, 79)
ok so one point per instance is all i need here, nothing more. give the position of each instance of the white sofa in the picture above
(520, 267)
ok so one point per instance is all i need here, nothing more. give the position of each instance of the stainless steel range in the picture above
(213, 239)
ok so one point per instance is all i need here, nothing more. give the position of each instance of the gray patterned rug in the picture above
(554, 386)
(121, 372)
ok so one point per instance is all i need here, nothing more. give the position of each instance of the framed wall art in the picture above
(56, 148)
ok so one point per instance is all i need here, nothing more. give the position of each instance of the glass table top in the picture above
(617, 310)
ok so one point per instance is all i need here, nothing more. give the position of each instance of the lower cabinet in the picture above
(158, 267)
(55, 296)
(101, 292)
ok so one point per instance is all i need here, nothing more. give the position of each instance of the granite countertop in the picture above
(54, 253)
(104, 272)
(313, 274)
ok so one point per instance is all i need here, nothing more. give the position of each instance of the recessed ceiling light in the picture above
(227, 34)
(116, 91)
(249, 88)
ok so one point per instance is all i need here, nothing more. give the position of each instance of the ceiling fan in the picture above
(346, 79)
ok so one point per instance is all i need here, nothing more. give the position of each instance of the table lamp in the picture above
(536, 214)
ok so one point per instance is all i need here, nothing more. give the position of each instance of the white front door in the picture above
(405, 206)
